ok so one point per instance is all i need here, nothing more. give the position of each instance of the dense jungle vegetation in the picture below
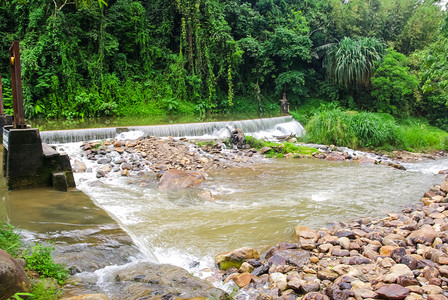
(205, 57)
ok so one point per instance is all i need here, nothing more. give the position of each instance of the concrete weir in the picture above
(28, 163)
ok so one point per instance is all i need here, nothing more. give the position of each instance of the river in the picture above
(256, 206)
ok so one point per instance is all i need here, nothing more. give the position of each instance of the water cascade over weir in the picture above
(275, 126)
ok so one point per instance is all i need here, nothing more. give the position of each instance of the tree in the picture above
(350, 63)
(393, 86)
(420, 29)
(434, 78)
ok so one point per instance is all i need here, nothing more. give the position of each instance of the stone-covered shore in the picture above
(401, 256)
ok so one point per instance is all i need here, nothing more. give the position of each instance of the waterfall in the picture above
(273, 126)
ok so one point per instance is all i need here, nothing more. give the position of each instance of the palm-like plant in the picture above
(350, 63)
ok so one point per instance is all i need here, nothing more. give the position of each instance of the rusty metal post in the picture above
(2, 112)
(16, 85)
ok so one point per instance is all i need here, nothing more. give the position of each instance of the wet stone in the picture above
(393, 291)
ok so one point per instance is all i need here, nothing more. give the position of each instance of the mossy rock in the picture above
(235, 258)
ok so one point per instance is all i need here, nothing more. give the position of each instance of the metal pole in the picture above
(16, 84)
(2, 112)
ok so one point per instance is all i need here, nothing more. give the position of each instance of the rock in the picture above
(178, 179)
(325, 247)
(293, 257)
(206, 196)
(414, 296)
(437, 297)
(243, 279)
(315, 296)
(265, 150)
(327, 275)
(279, 280)
(345, 233)
(398, 254)
(126, 166)
(431, 289)
(444, 187)
(432, 275)
(387, 250)
(235, 258)
(405, 280)
(365, 293)
(340, 252)
(397, 270)
(392, 291)
(79, 167)
(425, 235)
(258, 271)
(246, 268)
(237, 138)
(89, 297)
(344, 242)
(305, 234)
(295, 283)
(335, 293)
(314, 259)
(308, 287)
(409, 261)
(13, 278)
(137, 280)
(366, 161)
(103, 161)
(100, 174)
(335, 156)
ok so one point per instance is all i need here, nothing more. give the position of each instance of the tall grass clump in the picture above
(373, 130)
(418, 135)
(350, 129)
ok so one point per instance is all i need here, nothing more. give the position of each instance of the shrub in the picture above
(41, 261)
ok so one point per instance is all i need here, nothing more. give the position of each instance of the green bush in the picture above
(41, 261)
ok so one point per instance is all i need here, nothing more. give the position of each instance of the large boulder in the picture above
(178, 179)
(145, 280)
(13, 278)
(235, 258)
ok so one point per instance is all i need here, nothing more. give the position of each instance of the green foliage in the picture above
(421, 28)
(393, 86)
(43, 290)
(434, 78)
(350, 63)
(279, 149)
(10, 240)
(41, 261)
(351, 129)
(418, 135)
(209, 57)
(355, 130)
(303, 112)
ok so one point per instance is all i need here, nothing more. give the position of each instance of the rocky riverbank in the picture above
(401, 256)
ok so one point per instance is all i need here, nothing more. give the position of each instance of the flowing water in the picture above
(255, 206)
